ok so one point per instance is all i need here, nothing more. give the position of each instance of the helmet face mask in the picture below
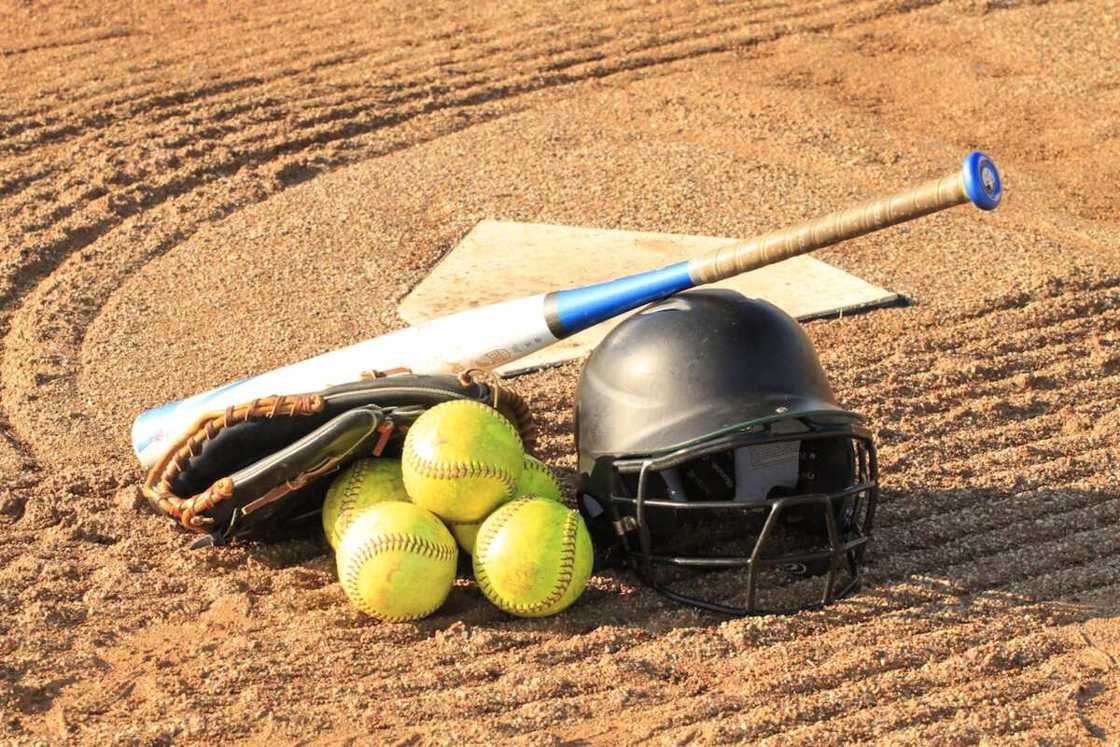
(761, 498)
(700, 526)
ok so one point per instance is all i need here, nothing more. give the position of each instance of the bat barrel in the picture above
(978, 182)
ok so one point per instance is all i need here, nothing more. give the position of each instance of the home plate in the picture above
(502, 260)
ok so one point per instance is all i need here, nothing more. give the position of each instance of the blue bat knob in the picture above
(981, 180)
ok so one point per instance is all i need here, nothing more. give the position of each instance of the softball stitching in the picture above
(456, 470)
(349, 498)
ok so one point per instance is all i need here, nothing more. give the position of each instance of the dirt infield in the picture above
(193, 193)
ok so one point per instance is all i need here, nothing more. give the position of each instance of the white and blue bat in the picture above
(490, 336)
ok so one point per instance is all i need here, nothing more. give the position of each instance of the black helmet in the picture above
(710, 440)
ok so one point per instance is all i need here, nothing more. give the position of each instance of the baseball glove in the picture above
(260, 465)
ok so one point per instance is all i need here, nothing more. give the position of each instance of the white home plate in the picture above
(501, 260)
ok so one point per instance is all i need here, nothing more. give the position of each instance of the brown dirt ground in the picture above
(191, 192)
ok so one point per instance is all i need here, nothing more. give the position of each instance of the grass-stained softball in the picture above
(533, 557)
(537, 478)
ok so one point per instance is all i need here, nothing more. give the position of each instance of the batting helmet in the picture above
(714, 458)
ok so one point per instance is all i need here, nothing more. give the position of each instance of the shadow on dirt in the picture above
(953, 555)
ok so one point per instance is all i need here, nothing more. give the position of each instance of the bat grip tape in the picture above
(978, 182)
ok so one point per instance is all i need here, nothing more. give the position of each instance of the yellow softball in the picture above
(461, 460)
(465, 535)
(362, 483)
(533, 557)
(537, 479)
(396, 561)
